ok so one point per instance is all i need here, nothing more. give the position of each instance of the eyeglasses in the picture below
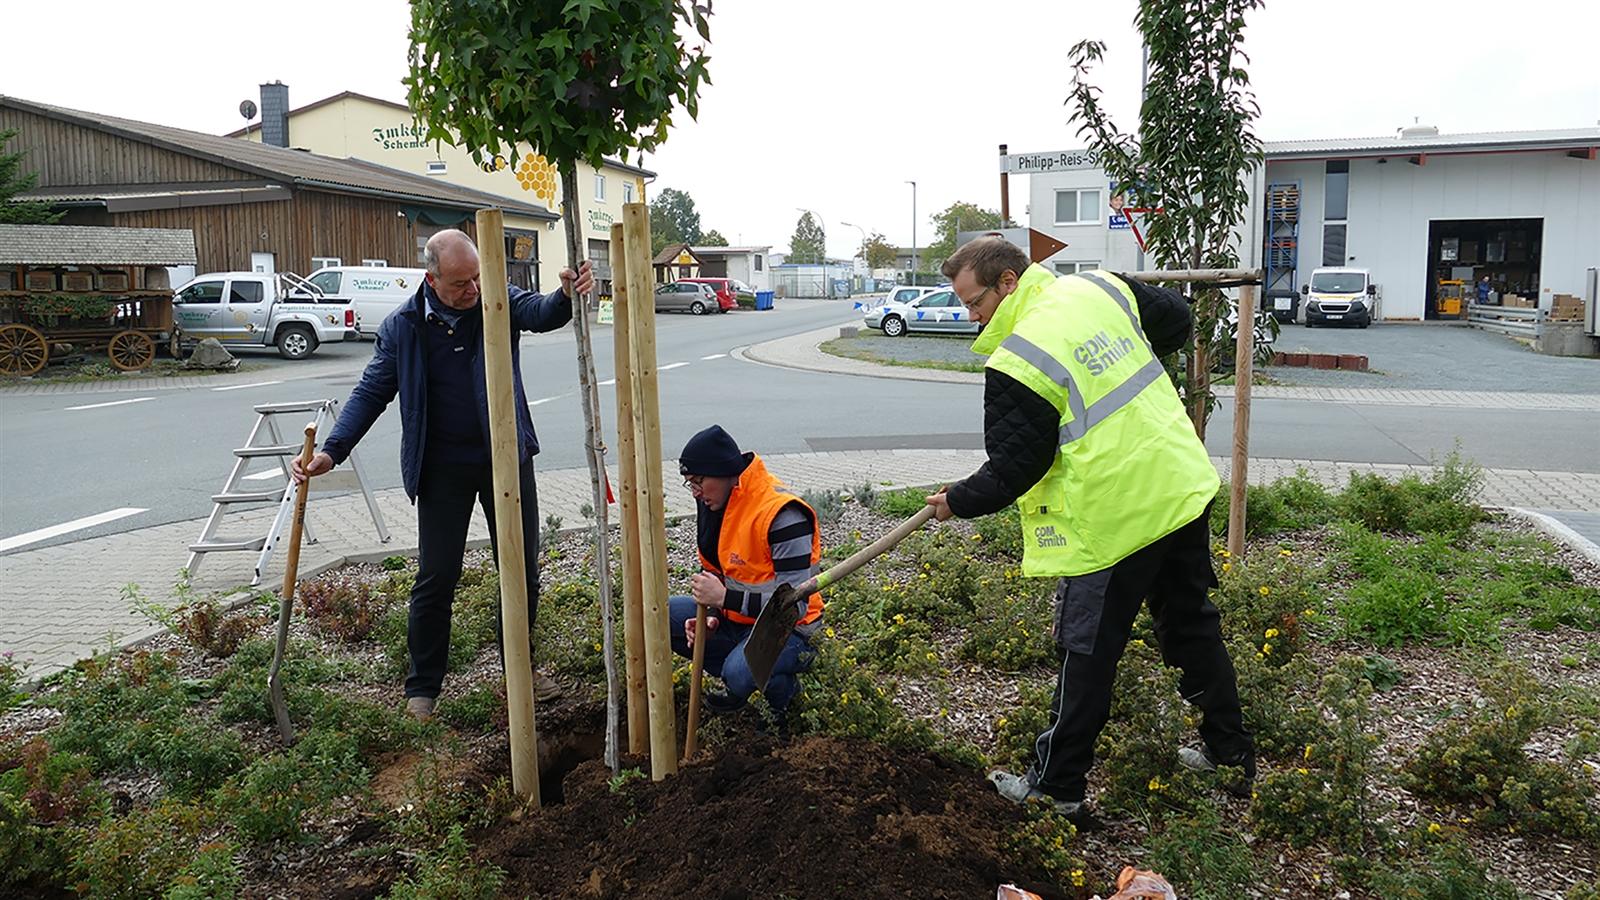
(975, 301)
(694, 482)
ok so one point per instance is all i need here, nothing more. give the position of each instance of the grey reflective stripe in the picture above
(1035, 356)
(1122, 301)
(1120, 396)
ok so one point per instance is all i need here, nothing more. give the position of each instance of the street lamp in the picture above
(913, 231)
(826, 294)
(863, 236)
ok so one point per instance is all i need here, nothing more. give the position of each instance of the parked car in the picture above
(694, 297)
(373, 291)
(258, 309)
(1340, 296)
(937, 311)
(905, 294)
(726, 290)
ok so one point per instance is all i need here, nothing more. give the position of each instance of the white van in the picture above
(374, 292)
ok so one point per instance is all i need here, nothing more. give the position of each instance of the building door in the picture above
(263, 262)
(1506, 251)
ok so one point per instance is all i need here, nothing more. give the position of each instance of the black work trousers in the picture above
(444, 510)
(1094, 617)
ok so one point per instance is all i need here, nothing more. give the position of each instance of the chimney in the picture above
(275, 114)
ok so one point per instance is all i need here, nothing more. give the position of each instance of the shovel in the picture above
(280, 710)
(777, 619)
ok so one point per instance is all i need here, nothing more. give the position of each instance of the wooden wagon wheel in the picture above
(22, 350)
(130, 350)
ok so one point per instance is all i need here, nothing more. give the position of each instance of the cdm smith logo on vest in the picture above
(1045, 536)
(1098, 354)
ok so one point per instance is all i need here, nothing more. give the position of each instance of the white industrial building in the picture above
(1418, 208)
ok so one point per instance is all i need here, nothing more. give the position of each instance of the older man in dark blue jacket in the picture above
(430, 353)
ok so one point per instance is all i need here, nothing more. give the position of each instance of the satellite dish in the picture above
(247, 108)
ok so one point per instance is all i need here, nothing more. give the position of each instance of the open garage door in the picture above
(1462, 252)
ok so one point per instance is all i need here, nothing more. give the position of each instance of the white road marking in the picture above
(43, 534)
(240, 387)
(714, 356)
(671, 366)
(608, 382)
(263, 476)
(112, 403)
(544, 400)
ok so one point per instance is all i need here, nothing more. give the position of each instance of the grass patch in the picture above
(850, 348)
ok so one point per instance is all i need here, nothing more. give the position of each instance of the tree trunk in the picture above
(595, 445)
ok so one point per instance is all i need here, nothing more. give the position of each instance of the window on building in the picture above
(376, 263)
(325, 262)
(437, 167)
(600, 256)
(627, 192)
(599, 188)
(758, 262)
(1077, 207)
(1335, 212)
(1073, 268)
(247, 293)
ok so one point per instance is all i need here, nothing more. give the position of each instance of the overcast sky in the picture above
(833, 105)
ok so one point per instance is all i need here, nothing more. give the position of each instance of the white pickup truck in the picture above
(257, 309)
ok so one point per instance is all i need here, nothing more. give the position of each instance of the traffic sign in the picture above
(1040, 246)
(1053, 161)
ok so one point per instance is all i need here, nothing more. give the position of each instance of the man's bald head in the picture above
(452, 263)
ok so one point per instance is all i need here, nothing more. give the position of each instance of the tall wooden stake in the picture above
(652, 503)
(627, 497)
(497, 350)
(594, 444)
(1243, 374)
(291, 569)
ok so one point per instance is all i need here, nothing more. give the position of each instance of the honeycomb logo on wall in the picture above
(537, 175)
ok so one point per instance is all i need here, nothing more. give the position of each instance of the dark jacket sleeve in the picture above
(372, 394)
(1164, 315)
(532, 311)
(1021, 434)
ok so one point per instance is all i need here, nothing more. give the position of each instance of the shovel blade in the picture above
(771, 633)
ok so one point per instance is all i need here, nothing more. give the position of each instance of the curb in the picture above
(1559, 532)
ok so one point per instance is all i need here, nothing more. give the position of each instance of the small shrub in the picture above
(33, 856)
(1018, 728)
(1381, 672)
(569, 633)
(395, 563)
(1448, 872)
(213, 875)
(828, 505)
(241, 688)
(1267, 602)
(1444, 503)
(479, 709)
(268, 799)
(59, 787)
(1295, 503)
(1012, 633)
(449, 872)
(12, 671)
(1044, 841)
(1137, 751)
(1280, 708)
(865, 494)
(1480, 762)
(902, 504)
(1203, 857)
(142, 853)
(841, 697)
(1001, 533)
(343, 608)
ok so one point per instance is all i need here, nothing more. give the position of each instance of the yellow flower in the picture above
(1266, 649)
(899, 618)
(977, 537)
(1308, 750)
(1000, 722)
(932, 657)
(1434, 828)
(1136, 642)
(1308, 613)
(1227, 566)
(1272, 632)
(844, 698)
(828, 631)
(1285, 554)
(1155, 783)
(1077, 878)
(598, 646)
(944, 713)
(1511, 712)
(1264, 590)
(1303, 771)
(1227, 555)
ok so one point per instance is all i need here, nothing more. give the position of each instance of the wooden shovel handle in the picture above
(874, 550)
(298, 523)
(697, 666)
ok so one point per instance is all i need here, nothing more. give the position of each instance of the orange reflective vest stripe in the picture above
(746, 555)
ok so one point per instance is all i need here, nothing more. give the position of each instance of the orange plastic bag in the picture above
(1137, 884)
(1012, 892)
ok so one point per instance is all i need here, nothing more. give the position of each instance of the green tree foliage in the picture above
(807, 244)
(958, 216)
(878, 252)
(713, 238)
(13, 181)
(674, 220)
(1194, 149)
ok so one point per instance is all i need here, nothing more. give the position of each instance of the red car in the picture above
(727, 293)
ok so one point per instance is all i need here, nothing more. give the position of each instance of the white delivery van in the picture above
(372, 291)
(1341, 296)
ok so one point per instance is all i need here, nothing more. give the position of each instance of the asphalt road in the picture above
(164, 452)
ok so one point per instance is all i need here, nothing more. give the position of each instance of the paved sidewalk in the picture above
(63, 603)
(801, 352)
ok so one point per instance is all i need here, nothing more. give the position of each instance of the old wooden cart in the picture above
(88, 289)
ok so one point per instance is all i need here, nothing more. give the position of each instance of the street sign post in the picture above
(1052, 161)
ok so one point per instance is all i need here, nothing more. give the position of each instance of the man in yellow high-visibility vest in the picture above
(1086, 434)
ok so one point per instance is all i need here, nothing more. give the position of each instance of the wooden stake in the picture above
(697, 668)
(1243, 374)
(497, 350)
(291, 568)
(652, 503)
(627, 471)
(596, 453)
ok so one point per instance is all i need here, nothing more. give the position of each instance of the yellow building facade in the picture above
(351, 125)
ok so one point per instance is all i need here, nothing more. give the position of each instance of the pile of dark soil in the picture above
(811, 818)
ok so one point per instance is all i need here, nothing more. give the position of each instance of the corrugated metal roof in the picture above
(87, 245)
(1566, 138)
(305, 169)
(729, 251)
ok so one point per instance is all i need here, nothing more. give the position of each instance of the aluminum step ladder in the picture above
(234, 493)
